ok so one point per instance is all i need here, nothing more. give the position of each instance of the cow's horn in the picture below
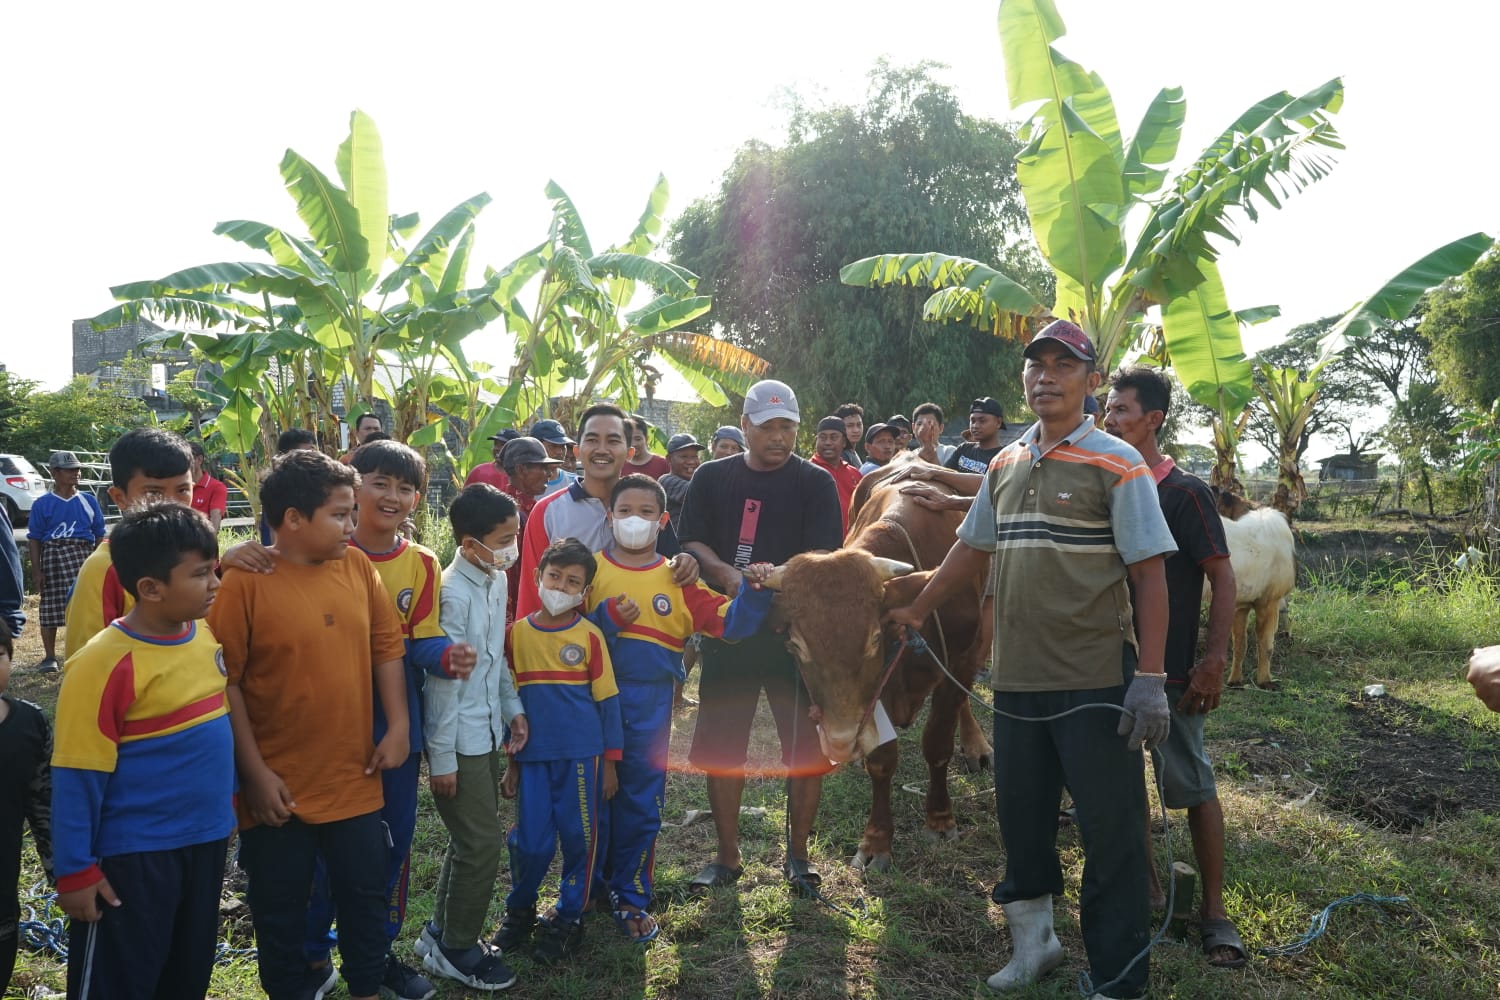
(773, 582)
(891, 567)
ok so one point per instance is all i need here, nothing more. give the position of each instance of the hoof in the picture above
(977, 764)
(1269, 685)
(870, 862)
(938, 835)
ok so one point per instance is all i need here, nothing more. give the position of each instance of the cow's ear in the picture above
(902, 590)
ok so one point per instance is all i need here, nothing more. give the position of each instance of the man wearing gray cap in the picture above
(65, 526)
(766, 505)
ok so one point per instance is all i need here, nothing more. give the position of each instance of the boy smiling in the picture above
(300, 647)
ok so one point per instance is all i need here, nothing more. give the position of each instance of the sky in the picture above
(134, 128)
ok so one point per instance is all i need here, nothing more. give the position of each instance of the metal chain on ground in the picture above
(1320, 922)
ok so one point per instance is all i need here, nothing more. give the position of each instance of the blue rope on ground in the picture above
(1320, 922)
(46, 933)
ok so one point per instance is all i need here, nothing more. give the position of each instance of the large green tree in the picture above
(1462, 322)
(1345, 398)
(82, 416)
(906, 168)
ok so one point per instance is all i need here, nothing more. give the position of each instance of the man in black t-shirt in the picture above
(986, 421)
(766, 505)
(1135, 411)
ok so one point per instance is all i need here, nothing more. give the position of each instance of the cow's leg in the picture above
(937, 747)
(1237, 646)
(874, 852)
(1266, 616)
(975, 752)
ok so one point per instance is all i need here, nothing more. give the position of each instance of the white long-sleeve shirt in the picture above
(467, 717)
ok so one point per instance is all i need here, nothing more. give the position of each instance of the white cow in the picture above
(1263, 554)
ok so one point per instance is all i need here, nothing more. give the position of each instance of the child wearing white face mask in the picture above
(647, 619)
(465, 721)
(567, 687)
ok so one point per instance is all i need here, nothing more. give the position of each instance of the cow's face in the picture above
(832, 603)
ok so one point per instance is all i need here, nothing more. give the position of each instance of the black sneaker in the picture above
(557, 941)
(476, 967)
(515, 929)
(319, 981)
(47, 666)
(405, 983)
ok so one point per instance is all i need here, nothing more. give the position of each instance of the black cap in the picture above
(832, 424)
(874, 429)
(899, 421)
(681, 441)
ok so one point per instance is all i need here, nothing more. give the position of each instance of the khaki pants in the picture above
(475, 843)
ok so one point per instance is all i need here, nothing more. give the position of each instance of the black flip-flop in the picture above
(801, 877)
(714, 876)
(1220, 933)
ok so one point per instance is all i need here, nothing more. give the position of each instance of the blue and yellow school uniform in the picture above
(413, 577)
(567, 686)
(142, 787)
(647, 657)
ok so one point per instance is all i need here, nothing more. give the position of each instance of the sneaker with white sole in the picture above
(402, 982)
(319, 981)
(476, 967)
(428, 939)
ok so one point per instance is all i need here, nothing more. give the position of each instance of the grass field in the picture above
(1325, 794)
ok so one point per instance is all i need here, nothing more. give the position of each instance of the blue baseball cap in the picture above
(549, 431)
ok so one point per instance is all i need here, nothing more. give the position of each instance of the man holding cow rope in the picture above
(1070, 513)
(766, 505)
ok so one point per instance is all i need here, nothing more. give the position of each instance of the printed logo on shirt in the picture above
(571, 654)
(403, 601)
(661, 604)
(62, 531)
(1064, 498)
(219, 662)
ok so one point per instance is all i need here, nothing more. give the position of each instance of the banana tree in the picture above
(325, 311)
(585, 336)
(1082, 179)
(1288, 397)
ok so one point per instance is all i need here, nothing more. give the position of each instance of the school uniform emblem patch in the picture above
(571, 654)
(219, 662)
(661, 604)
(403, 601)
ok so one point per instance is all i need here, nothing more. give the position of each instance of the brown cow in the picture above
(833, 603)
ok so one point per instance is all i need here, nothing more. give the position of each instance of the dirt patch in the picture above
(1322, 550)
(1404, 765)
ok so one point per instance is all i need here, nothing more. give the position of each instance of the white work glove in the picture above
(1149, 720)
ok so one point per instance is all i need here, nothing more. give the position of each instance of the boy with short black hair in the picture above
(465, 725)
(146, 465)
(391, 477)
(647, 620)
(25, 798)
(143, 772)
(300, 648)
(567, 688)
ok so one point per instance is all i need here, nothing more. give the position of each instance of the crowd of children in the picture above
(290, 693)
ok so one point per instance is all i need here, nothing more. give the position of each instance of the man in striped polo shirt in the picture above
(1070, 514)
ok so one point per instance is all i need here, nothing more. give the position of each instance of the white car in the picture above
(20, 485)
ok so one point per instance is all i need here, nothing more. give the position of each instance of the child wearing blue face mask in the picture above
(647, 619)
(464, 723)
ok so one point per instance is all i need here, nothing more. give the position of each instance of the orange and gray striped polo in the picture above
(1063, 526)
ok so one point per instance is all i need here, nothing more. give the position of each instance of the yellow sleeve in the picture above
(96, 694)
(427, 598)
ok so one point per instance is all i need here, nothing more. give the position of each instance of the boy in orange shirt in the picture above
(299, 647)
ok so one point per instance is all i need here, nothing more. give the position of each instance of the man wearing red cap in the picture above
(1070, 514)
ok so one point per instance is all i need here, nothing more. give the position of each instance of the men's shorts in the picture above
(1187, 776)
(733, 676)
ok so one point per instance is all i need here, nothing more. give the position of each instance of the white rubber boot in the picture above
(1035, 950)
